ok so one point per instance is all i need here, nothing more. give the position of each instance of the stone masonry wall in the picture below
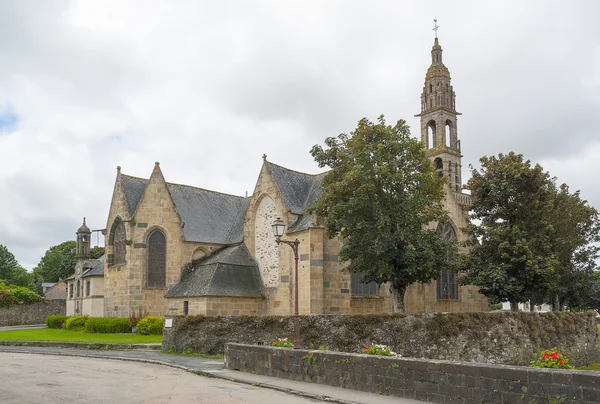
(427, 380)
(500, 337)
(36, 313)
(126, 292)
(278, 293)
(217, 306)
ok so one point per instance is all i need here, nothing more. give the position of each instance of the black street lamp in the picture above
(278, 230)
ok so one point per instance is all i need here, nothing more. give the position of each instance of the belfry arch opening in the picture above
(431, 135)
(448, 132)
(438, 165)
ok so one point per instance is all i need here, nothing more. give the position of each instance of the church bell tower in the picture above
(83, 241)
(438, 116)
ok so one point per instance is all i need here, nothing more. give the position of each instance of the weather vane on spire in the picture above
(435, 26)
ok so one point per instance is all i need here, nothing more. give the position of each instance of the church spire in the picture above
(438, 118)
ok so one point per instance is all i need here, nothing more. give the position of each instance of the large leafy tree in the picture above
(513, 258)
(11, 272)
(379, 196)
(575, 242)
(59, 261)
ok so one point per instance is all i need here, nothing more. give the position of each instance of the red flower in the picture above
(561, 363)
(368, 347)
(545, 356)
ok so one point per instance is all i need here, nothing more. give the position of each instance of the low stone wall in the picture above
(35, 313)
(501, 337)
(422, 379)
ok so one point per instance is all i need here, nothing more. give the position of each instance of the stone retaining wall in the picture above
(434, 381)
(502, 337)
(35, 313)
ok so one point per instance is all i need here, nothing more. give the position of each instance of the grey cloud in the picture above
(207, 87)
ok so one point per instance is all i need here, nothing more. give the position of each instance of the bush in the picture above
(56, 321)
(107, 325)
(150, 325)
(12, 294)
(552, 359)
(282, 343)
(76, 322)
(382, 350)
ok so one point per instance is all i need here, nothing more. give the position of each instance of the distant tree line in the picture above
(57, 263)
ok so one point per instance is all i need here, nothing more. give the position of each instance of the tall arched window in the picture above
(431, 135)
(438, 166)
(117, 239)
(447, 288)
(157, 262)
(457, 178)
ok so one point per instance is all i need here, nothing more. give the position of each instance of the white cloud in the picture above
(207, 87)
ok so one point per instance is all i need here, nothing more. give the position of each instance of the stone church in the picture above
(175, 249)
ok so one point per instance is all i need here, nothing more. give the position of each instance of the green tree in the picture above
(591, 299)
(512, 259)
(11, 272)
(96, 252)
(379, 196)
(576, 234)
(59, 261)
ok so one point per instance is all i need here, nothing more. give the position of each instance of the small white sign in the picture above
(168, 322)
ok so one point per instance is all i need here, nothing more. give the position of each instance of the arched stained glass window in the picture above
(157, 262)
(447, 288)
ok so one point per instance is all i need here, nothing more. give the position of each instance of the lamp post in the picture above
(278, 229)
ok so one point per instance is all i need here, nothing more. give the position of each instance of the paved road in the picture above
(32, 379)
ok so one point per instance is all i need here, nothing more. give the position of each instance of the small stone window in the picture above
(70, 290)
(359, 287)
(78, 288)
(186, 307)
(157, 251)
(87, 288)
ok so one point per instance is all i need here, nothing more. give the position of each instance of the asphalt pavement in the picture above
(214, 368)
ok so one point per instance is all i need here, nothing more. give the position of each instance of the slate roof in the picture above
(96, 268)
(133, 189)
(299, 191)
(208, 216)
(91, 268)
(230, 271)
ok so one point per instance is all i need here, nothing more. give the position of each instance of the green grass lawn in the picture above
(59, 335)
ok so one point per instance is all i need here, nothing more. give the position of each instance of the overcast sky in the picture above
(207, 87)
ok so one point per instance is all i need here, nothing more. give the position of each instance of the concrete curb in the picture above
(196, 372)
(82, 345)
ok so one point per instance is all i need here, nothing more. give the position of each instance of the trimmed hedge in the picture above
(76, 322)
(107, 325)
(56, 321)
(150, 325)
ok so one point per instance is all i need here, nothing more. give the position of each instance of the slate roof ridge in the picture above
(295, 171)
(185, 185)
(206, 190)
(134, 177)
